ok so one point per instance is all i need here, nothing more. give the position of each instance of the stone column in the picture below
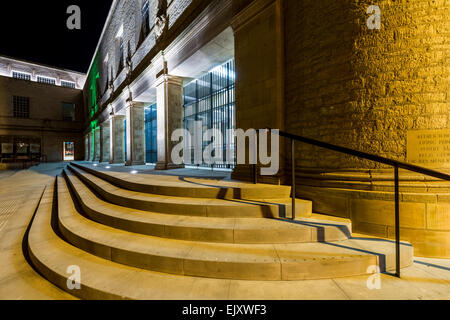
(105, 141)
(135, 134)
(117, 139)
(169, 91)
(91, 147)
(97, 145)
(86, 147)
(259, 58)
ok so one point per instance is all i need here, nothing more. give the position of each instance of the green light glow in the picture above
(93, 77)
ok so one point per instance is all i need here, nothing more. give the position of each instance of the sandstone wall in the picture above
(361, 88)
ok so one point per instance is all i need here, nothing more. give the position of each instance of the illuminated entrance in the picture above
(210, 99)
(69, 151)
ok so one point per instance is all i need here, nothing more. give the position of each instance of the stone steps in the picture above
(205, 229)
(178, 253)
(204, 207)
(190, 187)
(100, 278)
(105, 280)
(298, 261)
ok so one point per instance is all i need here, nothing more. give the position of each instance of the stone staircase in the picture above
(169, 237)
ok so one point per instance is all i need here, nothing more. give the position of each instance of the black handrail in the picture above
(394, 163)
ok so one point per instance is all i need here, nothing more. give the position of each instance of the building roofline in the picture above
(41, 65)
(108, 20)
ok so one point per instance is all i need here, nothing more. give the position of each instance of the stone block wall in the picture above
(361, 88)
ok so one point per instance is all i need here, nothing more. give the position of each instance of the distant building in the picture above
(41, 112)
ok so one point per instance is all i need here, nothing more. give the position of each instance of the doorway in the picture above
(69, 151)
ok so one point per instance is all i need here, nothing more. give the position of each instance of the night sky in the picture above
(36, 31)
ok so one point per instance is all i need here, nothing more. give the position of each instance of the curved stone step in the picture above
(191, 187)
(225, 261)
(206, 229)
(105, 280)
(193, 206)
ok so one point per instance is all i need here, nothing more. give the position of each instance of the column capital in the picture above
(168, 79)
(117, 116)
(135, 104)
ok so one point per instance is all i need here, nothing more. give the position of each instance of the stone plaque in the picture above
(429, 148)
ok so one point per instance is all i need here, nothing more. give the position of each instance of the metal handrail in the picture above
(393, 163)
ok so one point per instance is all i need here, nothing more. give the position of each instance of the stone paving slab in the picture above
(20, 193)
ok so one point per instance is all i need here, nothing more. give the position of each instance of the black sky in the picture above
(36, 31)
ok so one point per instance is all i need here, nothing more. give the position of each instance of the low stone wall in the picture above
(16, 165)
(367, 198)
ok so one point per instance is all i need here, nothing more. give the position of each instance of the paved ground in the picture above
(20, 193)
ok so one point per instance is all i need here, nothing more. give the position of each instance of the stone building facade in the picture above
(311, 68)
(41, 108)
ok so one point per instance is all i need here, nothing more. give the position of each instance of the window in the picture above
(21, 107)
(21, 75)
(68, 84)
(145, 18)
(151, 134)
(46, 80)
(121, 54)
(68, 111)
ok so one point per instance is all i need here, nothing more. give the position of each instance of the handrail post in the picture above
(397, 222)
(293, 179)
(255, 166)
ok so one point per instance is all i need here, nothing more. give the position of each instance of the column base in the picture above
(160, 166)
(117, 162)
(134, 163)
(245, 173)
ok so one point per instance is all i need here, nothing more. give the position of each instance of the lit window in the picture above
(46, 80)
(145, 18)
(68, 111)
(68, 84)
(21, 107)
(21, 75)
